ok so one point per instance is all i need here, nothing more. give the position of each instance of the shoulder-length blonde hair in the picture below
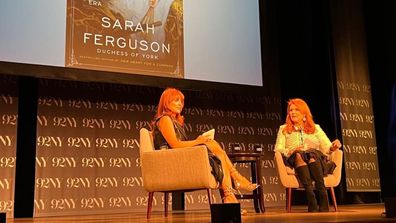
(166, 98)
(302, 106)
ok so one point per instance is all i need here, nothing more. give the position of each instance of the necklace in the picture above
(297, 127)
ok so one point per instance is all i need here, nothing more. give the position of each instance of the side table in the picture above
(254, 160)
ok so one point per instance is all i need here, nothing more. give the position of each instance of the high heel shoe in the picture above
(249, 187)
(229, 195)
(241, 182)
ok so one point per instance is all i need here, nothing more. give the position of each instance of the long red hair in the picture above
(302, 106)
(166, 98)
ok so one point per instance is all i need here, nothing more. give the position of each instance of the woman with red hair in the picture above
(168, 133)
(306, 147)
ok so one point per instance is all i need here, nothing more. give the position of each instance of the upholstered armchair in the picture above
(289, 179)
(181, 169)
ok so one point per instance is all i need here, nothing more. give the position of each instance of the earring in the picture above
(304, 119)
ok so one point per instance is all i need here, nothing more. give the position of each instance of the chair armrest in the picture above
(337, 158)
(280, 165)
(177, 169)
(146, 141)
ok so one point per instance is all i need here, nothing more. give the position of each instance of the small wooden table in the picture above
(254, 160)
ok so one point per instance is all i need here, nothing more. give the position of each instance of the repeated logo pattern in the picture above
(88, 143)
(358, 132)
(8, 139)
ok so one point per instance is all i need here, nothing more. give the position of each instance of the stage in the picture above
(362, 213)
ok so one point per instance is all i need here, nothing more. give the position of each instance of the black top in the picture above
(159, 140)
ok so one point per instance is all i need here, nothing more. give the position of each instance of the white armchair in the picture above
(290, 181)
(181, 169)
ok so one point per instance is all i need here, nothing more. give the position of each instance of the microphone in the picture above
(300, 129)
(301, 136)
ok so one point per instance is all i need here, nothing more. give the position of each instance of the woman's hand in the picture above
(153, 3)
(309, 144)
(202, 139)
(336, 144)
(297, 149)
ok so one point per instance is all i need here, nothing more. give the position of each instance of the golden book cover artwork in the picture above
(129, 36)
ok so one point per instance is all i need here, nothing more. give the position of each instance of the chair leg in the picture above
(209, 196)
(166, 201)
(288, 199)
(333, 197)
(221, 195)
(149, 204)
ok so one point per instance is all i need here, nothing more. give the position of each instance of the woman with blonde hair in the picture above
(168, 133)
(306, 147)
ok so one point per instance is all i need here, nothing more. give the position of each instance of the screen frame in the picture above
(87, 75)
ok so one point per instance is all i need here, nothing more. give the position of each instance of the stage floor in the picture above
(363, 213)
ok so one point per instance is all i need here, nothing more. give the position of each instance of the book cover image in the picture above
(130, 36)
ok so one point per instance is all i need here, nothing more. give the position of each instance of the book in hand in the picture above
(210, 134)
